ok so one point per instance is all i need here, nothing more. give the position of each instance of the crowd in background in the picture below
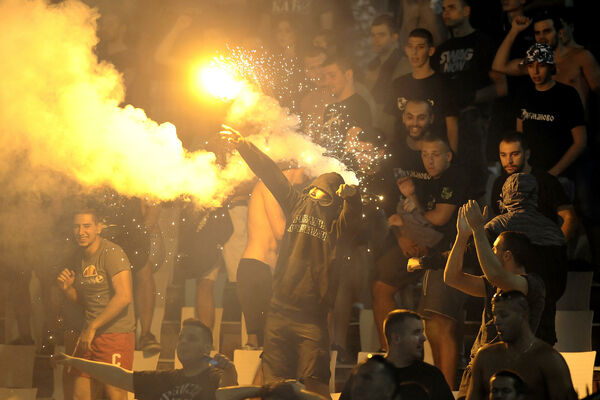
(433, 104)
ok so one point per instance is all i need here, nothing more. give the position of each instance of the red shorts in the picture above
(111, 348)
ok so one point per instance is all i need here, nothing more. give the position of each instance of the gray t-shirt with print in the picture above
(93, 282)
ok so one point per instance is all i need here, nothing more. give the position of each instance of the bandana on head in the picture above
(539, 52)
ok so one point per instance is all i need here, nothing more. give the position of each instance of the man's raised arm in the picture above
(453, 273)
(502, 62)
(104, 372)
(490, 265)
(263, 167)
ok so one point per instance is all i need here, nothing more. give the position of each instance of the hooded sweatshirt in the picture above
(549, 260)
(304, 279)
(519, 199)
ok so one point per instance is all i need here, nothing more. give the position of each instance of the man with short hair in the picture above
(312, 104)
(385, 67)
(100, 279)
(404, 161)
(425, 83)
(507, 385)
(200, 377)
(542, 368)
(346, 128)
(466, 59)
(405, 339)
(553, 202)
(434, 204)
(504, 268)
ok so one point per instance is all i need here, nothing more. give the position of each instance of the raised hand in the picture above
(345, 190)
(66, 279)
(462, 225)
(231, 135)
(474, 216)
(520, 23)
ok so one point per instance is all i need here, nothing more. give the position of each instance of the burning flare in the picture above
(218, 82)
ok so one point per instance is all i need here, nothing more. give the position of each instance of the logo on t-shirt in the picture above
(90, 271)
(90, 275)
(526, 115)
(187, 391)
(455, 60)
(447, 193)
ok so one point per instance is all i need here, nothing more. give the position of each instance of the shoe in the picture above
(343, 357)
(148, 344)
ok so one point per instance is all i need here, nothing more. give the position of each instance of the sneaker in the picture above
(343, 357)
(148, 344)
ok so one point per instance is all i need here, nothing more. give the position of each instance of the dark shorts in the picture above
(438, 298)
(296, 346)
(390, 268)
(111, 348)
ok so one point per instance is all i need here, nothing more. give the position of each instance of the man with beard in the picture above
(542, 368)
(346, 127)
(405, 338)
(552, 199)
(296, 343)
(405, 161)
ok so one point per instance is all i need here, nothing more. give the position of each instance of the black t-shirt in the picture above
(435, 87)
(548, 118)
(174, 385)
(420, 372)
(338, 119)
(551, 194)
(401, 161)
(466, 61)
(450, 188)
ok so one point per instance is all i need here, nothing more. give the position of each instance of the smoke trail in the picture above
(61, 106)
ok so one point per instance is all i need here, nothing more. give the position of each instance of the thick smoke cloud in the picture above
(60, 107)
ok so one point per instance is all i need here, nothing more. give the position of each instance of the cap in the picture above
(539, 52)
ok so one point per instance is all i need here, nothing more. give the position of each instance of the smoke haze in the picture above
(60, 106)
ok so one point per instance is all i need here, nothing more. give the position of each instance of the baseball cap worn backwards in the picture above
(539, 52)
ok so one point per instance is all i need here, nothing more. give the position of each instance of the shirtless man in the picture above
(266, 225)
(575, 66)
(542, 368)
